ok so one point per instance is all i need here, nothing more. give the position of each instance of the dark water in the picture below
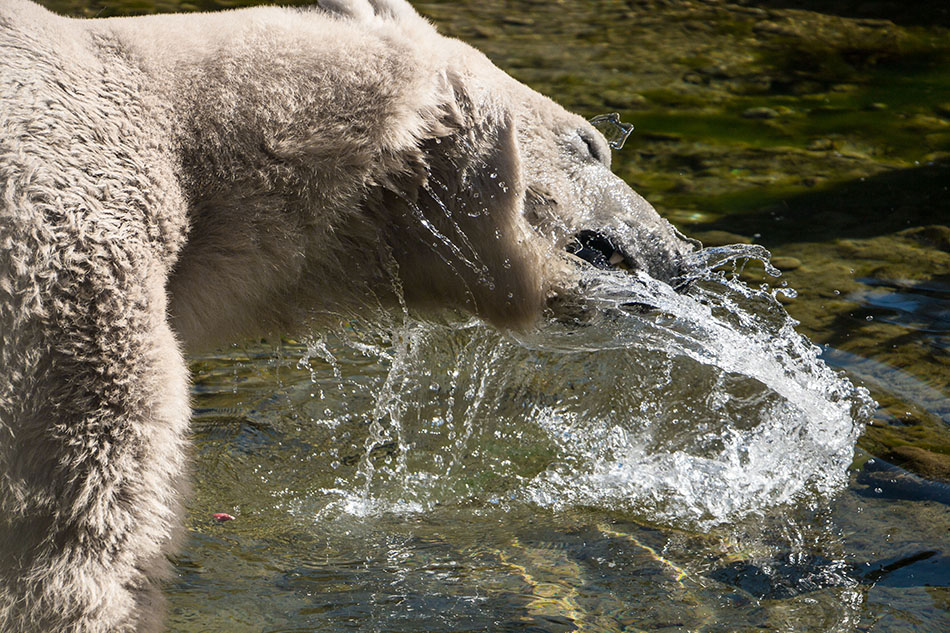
(458, 481)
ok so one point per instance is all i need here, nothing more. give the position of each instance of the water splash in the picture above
(744, 415)
(684, 409)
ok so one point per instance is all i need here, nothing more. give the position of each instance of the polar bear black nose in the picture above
(597, 250)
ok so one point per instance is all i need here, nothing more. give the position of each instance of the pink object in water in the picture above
(222, 516)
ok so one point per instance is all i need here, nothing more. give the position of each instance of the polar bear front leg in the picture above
(94, 457)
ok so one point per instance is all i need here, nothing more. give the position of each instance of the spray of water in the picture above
(686, 409)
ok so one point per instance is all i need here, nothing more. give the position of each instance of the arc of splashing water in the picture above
(715, 344)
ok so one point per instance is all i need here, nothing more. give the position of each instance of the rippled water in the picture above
(449, 477)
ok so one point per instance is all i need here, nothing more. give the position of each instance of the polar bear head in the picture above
(437, 180)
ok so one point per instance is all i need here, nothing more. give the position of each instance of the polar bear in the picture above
(172, 182)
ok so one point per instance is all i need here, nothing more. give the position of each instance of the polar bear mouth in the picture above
(599, 251)
(603, 253)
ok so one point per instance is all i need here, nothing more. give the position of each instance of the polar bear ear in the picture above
(366, 10)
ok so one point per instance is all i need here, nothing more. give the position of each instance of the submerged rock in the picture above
(760, 113)
(721, 238)
(920, 460)
(786, 263)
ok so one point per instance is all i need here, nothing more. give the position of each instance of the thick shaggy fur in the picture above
(176, 181)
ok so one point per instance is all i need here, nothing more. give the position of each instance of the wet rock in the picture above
(721, 238)
(682, 217)
(920, 460)
(821, 145)
(829, 109)
(780, 579)
(924, 123)
(660, 136)
(934, 157)
(877, 106)
(518, 20)
(786, 263)
(806, 87)
(936, 236)
(753, 85)
(760, 113)
(479, 31)
(622, 100)
(773, 28)
(753, 273)
(752, 12)
(943, 110)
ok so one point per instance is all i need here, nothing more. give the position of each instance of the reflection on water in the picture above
(922, 306)
(661, 462)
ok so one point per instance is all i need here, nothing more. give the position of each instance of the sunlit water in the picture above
(427, 477)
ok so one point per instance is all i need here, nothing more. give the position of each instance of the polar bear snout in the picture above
(600, 222)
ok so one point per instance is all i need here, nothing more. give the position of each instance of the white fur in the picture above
(183, 180)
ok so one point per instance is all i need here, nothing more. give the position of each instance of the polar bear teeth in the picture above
(597, 250)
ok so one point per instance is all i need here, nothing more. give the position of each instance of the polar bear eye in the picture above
(593, 148)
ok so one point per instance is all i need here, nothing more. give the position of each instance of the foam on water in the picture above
(685, 409)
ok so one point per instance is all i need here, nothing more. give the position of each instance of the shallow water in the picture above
(629, 472)
(690, 467)
(672, 467)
